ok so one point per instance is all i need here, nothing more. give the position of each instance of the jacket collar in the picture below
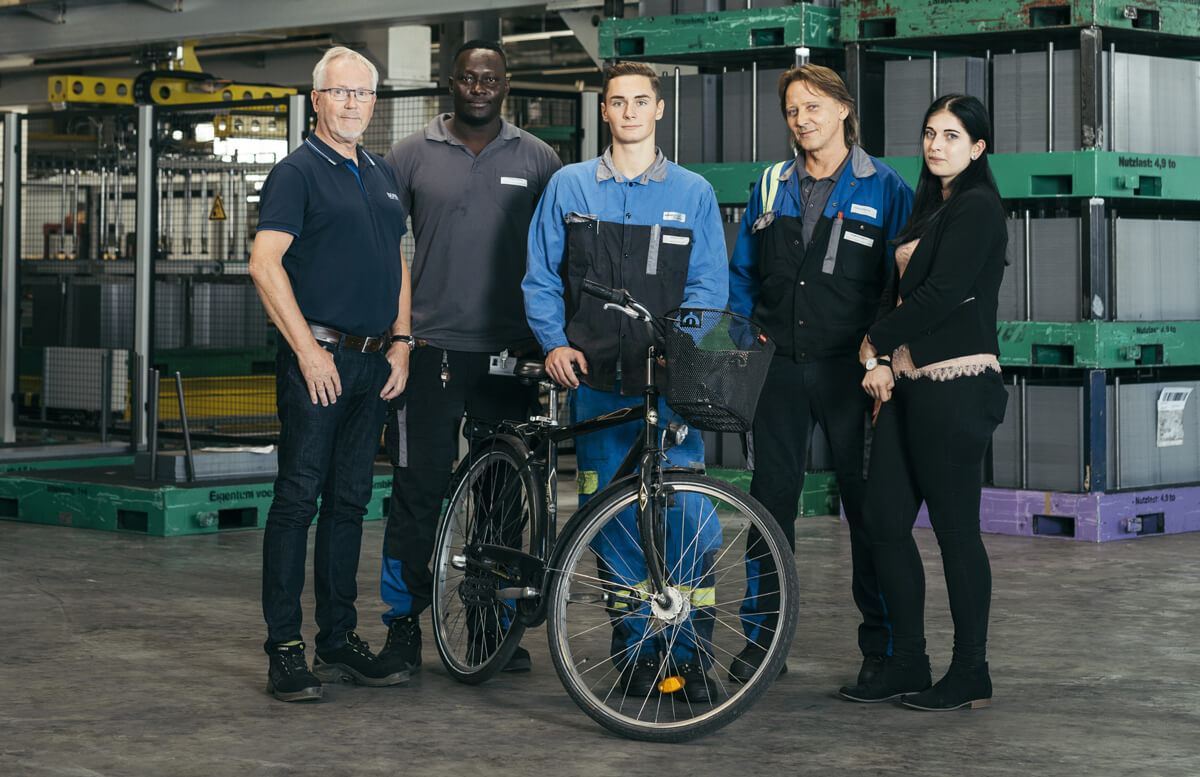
(605, 169)
(437, 130)
(861, 164)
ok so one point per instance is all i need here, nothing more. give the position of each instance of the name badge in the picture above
(507, 181)
(862, 240)
(864, 210)
(676, 240)
(671, 215)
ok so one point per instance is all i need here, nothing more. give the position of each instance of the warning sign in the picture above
(218, 210)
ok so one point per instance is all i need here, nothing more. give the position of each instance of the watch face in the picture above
(872, 363)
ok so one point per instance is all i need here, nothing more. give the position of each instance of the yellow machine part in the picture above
(164, 90)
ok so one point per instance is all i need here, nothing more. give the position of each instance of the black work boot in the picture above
(640, 678)
(288, 678)
(871, 666)
(354, 662)
(897, 677)
(403, 647)
(962, 686)
(697, 685)
(745, 664)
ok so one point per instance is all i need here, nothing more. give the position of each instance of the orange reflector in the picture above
(670, 684)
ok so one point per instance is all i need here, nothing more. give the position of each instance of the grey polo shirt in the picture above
(470, 218)
(814, 193)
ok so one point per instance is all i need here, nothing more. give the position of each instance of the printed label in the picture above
(507, 181)
(676, 240)
(671, 215)
(864, 210)
(862, 240)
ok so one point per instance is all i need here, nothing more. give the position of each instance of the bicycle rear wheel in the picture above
(482, 547)
(657, 670)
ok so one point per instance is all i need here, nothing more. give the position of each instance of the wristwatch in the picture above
(872, 363)
(409, 339)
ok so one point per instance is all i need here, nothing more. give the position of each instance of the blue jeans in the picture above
(327, 452)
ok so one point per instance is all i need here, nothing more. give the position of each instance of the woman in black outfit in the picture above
(931, 361)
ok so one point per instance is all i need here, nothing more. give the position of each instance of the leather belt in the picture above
(353, 342)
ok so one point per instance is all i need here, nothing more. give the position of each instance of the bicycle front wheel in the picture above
(482, 549)
(656, 667)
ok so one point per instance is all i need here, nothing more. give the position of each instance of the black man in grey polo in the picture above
(470, 181)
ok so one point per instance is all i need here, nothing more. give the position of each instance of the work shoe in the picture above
(519, 662)
(354, 662)
(288, 678)
(897, 677)
(745, 664)
(961, 687)
(403, 647)
(871, 666)
(640, 678)
(697, 685)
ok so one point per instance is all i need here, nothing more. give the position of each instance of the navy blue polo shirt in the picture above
(347, 219)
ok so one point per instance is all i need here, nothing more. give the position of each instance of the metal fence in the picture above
(77, 241)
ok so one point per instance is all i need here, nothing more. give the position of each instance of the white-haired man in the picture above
(327, 265)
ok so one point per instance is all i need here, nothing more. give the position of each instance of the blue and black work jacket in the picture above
(657, 236)
(816, 300)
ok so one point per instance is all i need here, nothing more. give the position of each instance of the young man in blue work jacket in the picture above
(633, 220)
(810, 264)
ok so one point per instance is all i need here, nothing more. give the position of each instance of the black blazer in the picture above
(950, 286)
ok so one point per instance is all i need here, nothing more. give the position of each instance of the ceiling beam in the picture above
(89, 26)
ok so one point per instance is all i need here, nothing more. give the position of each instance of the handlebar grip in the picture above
(616, 296)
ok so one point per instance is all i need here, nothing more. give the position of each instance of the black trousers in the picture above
(795, 396)
(422, 441)
(929, 444)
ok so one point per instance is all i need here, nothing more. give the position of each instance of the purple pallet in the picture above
(1097, 517)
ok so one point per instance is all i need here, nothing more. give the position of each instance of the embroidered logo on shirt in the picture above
(392, 196)
(507, 181)
(671, 215)
(864, 210)
(676, 240)
(862, 240)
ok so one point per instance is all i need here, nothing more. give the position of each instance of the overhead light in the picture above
(525, 37)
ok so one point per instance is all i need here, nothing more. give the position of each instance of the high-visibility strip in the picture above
(768, 187)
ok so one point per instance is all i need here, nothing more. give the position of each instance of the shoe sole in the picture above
(974, 704)
(312, 693)
(849, 697)
(332, 673)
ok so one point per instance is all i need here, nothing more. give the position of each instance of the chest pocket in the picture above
(512, 192)
(667, 253)
(855, 251)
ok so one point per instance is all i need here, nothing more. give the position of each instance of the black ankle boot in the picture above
(961, 687)
(897, 677)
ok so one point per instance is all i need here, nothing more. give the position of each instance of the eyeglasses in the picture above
(339, 94)
(468, 80)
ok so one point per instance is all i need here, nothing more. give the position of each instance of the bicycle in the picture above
(705, 547)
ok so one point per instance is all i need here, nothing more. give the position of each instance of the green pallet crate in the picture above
(702, 38)
(894, 20)
(1099, 344)
(819, 497)
(105, 498)
(1060, 174)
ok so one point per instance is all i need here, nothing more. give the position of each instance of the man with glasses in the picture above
(327, 265)
(470, 181)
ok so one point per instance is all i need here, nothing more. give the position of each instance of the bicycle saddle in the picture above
(530, 369)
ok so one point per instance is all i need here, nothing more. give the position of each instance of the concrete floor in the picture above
(127, 655)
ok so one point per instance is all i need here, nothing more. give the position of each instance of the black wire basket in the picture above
(716, 362)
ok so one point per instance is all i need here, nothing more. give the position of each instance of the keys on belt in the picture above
(352, 342)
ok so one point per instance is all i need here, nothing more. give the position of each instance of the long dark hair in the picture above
(928, 200)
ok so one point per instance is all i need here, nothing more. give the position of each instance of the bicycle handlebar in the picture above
(600, 291)
(622, 302)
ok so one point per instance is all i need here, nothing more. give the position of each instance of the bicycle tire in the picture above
(586, 606)
(495, 501)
